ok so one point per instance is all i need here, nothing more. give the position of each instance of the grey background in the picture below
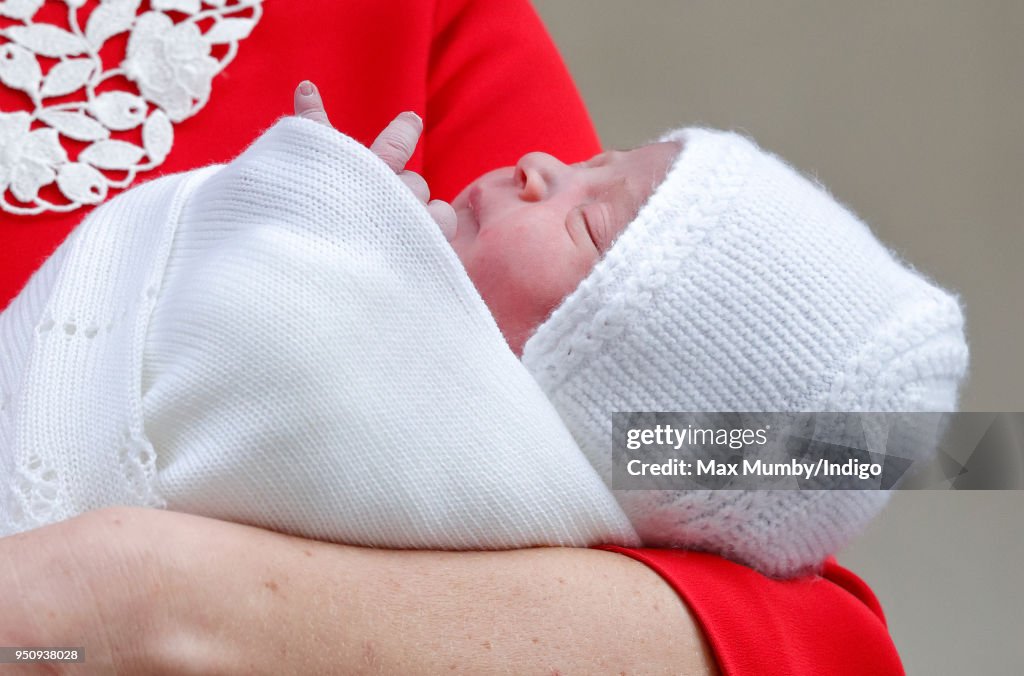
(912, 113)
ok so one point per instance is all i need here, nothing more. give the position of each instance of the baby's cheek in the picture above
(504, 267)
(514, 279)
(523, 272)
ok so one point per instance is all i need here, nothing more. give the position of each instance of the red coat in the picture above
(490, 86)
(484, 76)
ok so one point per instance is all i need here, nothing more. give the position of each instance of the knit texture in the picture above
(286, 341)
(742, 286)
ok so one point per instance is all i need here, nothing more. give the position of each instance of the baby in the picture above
(695, 273)
(699, 273)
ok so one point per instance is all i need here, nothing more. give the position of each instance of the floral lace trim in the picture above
(170, 62)
(34, 496)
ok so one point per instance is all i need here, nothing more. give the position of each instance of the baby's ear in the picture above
(309, 104)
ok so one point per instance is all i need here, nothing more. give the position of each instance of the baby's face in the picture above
(529, 234)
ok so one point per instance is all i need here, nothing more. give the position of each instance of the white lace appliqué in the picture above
(170, 59)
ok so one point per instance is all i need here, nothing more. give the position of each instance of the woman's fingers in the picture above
(444, 215)
(442, 212)
(417, 184)
(308, 103)
(397, 142)
(394, 146)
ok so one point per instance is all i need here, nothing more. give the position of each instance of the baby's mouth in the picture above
(467, 215)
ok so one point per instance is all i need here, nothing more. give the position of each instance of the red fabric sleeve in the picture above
(484, 75)
(823, 624)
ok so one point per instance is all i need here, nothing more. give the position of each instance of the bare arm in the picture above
(160, 592)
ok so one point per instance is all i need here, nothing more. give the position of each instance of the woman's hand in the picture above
(394, 146)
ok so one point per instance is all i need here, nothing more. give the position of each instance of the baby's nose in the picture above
(536, 173)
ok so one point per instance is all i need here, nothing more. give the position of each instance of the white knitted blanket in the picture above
(285, 341)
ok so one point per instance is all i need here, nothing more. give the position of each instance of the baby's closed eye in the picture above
(596, 221)
(580, 229)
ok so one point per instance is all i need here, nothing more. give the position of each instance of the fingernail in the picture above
(306, 88)
(418, 118)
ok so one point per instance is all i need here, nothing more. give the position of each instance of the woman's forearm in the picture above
(202, 595)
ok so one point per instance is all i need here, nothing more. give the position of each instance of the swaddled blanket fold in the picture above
(286, 341)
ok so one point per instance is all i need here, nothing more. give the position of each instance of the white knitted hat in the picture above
(742, 286)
